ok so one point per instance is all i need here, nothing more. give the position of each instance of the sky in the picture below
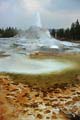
(53, 13)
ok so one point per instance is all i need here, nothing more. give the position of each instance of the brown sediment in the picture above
(21, 101)
(52, 54)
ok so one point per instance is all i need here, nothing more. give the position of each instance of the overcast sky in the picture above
(54, 13)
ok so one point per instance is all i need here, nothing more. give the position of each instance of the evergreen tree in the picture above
(77, 30)
(1, 32)
(72, 31)
(52, 32)
(67, 34)
(60, 33)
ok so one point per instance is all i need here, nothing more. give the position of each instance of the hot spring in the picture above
(25, 65)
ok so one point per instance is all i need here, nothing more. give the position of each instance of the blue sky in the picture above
(54, 13)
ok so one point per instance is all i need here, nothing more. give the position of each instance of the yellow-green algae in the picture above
(47, 80)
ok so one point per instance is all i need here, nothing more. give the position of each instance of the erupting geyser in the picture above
(38, 22)
(38, 38)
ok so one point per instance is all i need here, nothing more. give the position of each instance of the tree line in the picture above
(72, 33)
(8, 32)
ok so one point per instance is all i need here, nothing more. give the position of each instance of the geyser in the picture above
(38, 20)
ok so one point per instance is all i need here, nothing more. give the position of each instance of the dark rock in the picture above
(34, 105)
(47, 111)
(39, 116)
(73, 117)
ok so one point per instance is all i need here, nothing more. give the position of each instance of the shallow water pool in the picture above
(24, 65)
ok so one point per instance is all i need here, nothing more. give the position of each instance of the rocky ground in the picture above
(25, 102)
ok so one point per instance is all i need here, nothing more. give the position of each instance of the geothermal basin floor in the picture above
(24, 102)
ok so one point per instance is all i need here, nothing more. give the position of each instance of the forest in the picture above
(8, 32)
(69, 34)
